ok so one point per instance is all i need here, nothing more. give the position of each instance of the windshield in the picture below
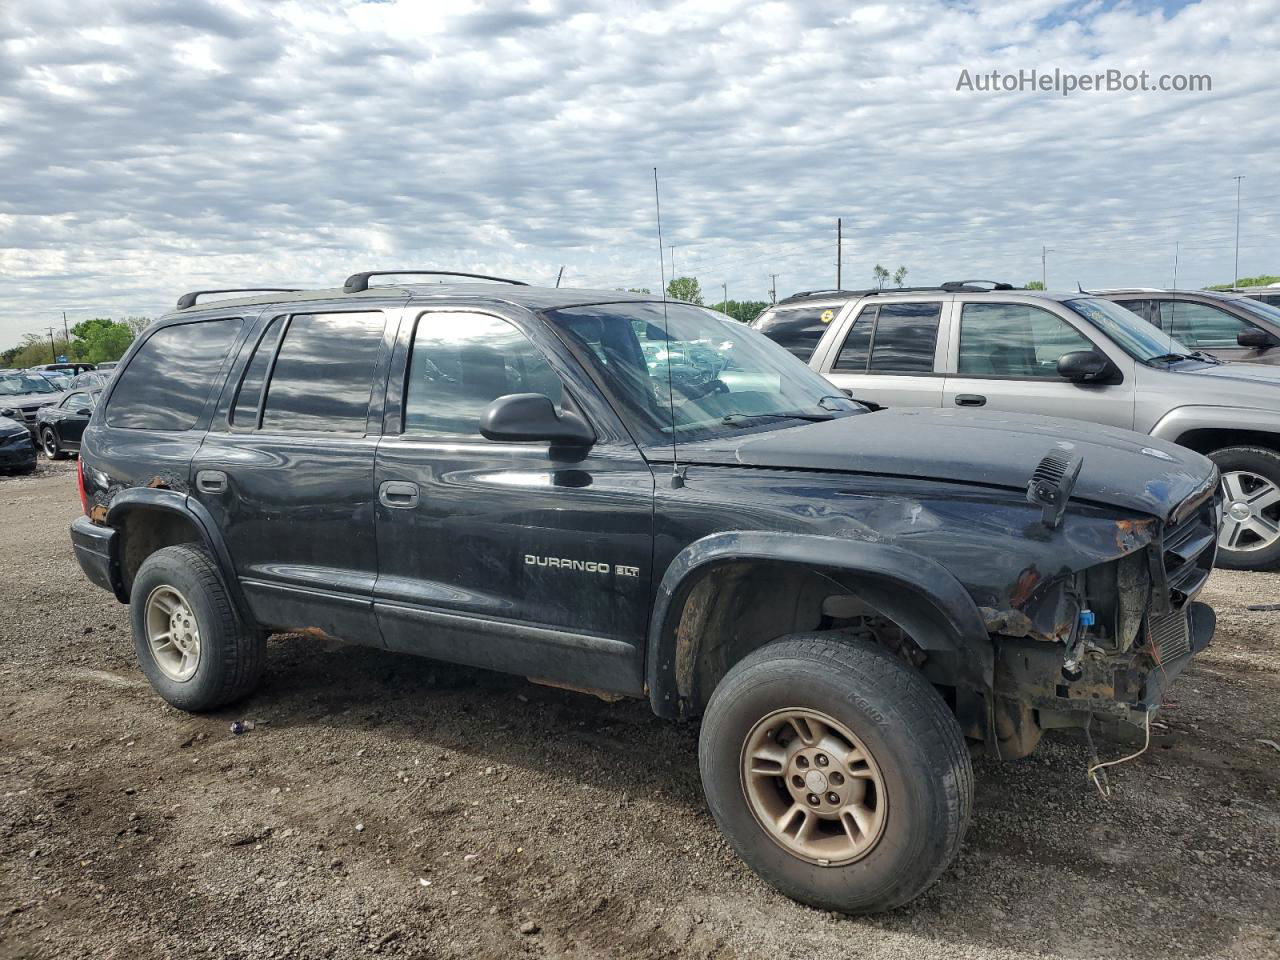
(15, 386)
(712, 378)
(1141, 340)
(1263, 311)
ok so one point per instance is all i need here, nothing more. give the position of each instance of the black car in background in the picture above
(22, 394)
(17, 451)
(60, 425)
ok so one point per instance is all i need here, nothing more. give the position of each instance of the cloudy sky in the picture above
(153, 146)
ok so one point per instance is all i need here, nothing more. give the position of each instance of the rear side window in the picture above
(896, 338)
(797, 329)
(462, 362)
(169, 379)
(324, 373)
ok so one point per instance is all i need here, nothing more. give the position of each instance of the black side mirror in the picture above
(1084, 366)
(1255, 338)
(83, 412)
(530, 417)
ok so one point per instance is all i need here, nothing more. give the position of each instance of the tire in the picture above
(915, 745)
(49, 444)
(1250, 477)
(229, 654)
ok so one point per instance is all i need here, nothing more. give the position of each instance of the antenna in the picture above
(559, 276)
(677, 480)
(1177, 248)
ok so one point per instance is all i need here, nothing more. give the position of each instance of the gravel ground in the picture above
(384, 805)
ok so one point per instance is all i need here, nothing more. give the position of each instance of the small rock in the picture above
(528, 928)
(359, 828)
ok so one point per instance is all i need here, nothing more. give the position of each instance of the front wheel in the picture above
(49, 443)
(1250, 535)
(836, 772)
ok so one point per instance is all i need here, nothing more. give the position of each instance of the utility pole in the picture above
(1237, 269)
(66, 329)
(773, 288)
(724, 304)
(1044, 265)
(839, 238)
(53, 350)
(672, 248)
(1177, 249)
(558, 276)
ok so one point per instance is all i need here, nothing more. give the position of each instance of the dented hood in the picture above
(1121, 468)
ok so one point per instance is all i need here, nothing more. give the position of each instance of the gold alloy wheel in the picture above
(173, 633)
(813, 786)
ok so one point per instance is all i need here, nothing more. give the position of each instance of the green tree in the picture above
(1264, 280)
(881, 276)
(101, 339)
(900, 276)
(685, 288)
(744, 311)
(1033, 285)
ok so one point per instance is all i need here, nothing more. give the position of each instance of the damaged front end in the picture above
(1104, 642)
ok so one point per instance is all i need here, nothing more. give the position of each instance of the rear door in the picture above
(889, 352)
(287, 468)
(1004, 356)
(513, 556)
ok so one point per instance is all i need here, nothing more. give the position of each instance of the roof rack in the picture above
(360, 281)
(189, 299)
(962, 286)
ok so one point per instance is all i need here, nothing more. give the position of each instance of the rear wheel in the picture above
(836, 772)
(1250, 536)
(190, 642)
(49, 443)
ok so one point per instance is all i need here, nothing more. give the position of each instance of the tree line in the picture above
(91, 341)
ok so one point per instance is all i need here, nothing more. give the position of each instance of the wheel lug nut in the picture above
(821, 759)
(813, 800)
(802, 761)
(833, 798)
(837, 778)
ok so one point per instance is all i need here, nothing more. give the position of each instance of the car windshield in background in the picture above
(1141, 340)
(710, 378)
(16, 386)
(1263, 311)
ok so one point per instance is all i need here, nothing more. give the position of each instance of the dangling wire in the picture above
(1103, 785)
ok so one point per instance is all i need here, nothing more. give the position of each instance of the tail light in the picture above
(84, 497)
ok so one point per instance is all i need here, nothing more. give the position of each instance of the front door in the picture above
(1210, 329)
(511, 556)
(888, 353)
(1005, 357)
(286, 470)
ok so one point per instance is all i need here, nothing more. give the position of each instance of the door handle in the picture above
(970, 400)
(399, 494)
(211, 481)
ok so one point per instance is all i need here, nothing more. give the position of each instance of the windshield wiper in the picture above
(1170, 358)
(1207, 358)
(736, 418)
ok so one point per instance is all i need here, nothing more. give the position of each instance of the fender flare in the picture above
(1182, 420)
(194, 512)
(882, 569)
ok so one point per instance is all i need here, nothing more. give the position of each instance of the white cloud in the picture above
(154, 146)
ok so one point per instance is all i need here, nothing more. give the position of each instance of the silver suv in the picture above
(1060, 354)
(1227, 325)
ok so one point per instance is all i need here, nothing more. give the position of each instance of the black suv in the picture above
(612, 493)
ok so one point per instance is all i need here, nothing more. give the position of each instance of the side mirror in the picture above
(84, 412)
(531, 417)
(1255, 338)
(1083, 366)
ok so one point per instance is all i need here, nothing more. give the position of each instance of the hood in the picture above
(1121, 468)
(11, 428)
(30, 399)
(1249, 373)
(1219, 385)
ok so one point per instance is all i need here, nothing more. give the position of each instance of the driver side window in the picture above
(1199, 325)
(462, 362)
(1014, 340)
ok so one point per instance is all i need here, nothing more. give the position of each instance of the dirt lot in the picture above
(389, 806)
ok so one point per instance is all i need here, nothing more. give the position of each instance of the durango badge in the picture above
(583, 566)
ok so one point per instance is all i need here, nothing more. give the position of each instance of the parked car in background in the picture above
(60, 379)
(71, 367)
(90, 380)
(1269, 294)
(108, 365)
(1228, 326)
(17, 449)
(1066, 355)
(60, 425)
(22, 394)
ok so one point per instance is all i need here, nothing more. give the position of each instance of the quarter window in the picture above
(892, 338)
(1014, 340)
(324, 373)
(244, 414)
(168, 381)
(462, 362)
(1199, 325)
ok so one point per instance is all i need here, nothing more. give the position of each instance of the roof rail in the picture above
(360, 281)
(960, 286)
(189, 299)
